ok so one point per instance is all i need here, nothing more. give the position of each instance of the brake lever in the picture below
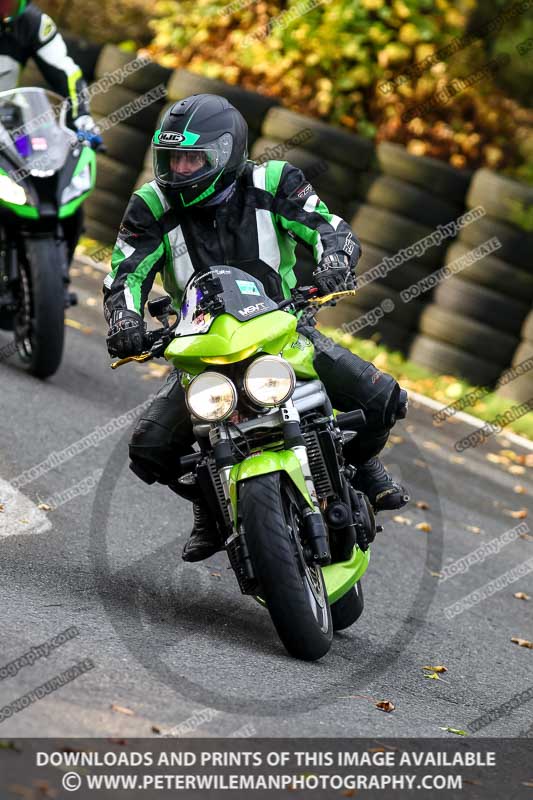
(140, 358)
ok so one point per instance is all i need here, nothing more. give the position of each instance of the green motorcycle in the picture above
(46, 174)
(269, 460)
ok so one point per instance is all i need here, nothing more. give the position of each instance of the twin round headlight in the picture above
(268, 381)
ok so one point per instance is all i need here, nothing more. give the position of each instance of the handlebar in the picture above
(157, 341)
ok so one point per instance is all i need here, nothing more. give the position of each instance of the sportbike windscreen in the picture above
(32, 130)
(221, 290)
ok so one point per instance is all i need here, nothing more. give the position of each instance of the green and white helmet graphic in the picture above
(199, 150)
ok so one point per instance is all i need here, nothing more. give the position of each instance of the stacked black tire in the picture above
(472, 329)
(516, 383)
(403, 202)
(126, 141)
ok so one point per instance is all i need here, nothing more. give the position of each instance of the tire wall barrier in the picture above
(428, 285)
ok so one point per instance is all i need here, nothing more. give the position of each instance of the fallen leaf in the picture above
(156, 729)
(457, 731)
(525, 536)
(510, 454)
(21, 791)
(72, 323)
(91, 301)
(431, 445)
(473, 529)
(216, 574)
(457, 459)
(44, 789)
(2, 507)
(516, 469)
(396, 439)
(422, 504)
(521, 596)
(528, 784)
(122, 710)
(424, 526)
(520, 514)
(349, 793)
(385, 705)
(437, 669)
(522, 642)
(44, 507)
(495, 459)
(435, 574)
(528, 460)
(432, 676)
(402, 520)
(519, 489)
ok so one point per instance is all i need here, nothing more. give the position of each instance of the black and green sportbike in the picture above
(270, 452)
(46, 173)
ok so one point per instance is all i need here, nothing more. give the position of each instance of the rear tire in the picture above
(348, 608)
(40, 321)
(295, 594)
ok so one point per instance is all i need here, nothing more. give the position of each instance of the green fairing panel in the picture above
(300, 352)
(340, 578)
(230, 340)
(265, 463)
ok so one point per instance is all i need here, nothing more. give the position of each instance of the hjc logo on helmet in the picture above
(171, 138)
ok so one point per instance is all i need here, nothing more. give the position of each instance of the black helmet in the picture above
(200, 148)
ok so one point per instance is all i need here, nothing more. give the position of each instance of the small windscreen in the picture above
(221, 290)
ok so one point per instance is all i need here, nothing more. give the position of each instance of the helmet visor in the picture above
(8, 8)
(177, 167)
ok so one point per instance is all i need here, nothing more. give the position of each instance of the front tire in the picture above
(295, 594)
(40, 320)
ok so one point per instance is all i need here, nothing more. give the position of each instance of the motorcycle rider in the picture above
(27, 32)
(209, 205)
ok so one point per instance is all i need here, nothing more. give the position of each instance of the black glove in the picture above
(333, 274)
(126, 334)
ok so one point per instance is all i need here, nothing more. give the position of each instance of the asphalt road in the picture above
(169, 640)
